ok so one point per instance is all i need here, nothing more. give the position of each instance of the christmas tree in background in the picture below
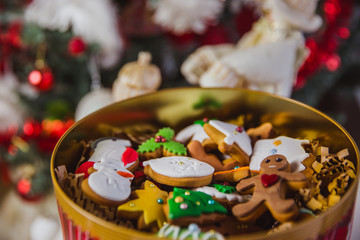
(56, 54)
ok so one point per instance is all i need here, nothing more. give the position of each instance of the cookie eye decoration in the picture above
(278, 159)
(267, 160)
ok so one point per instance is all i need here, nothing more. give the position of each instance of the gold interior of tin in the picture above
(178, 108)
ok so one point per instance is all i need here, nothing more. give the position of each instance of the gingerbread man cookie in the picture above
(269, 191)
(230, 139)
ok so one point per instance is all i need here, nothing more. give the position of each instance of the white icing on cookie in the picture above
(228, 196)
(289, 147)
(193, 132)
(110, 165)
(110, 148)
(180, 166)
(110, 185)
(242, 139)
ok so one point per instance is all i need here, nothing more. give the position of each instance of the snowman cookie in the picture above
(111, 148)
(179, 171)
(108, 183)
(269, 191)
(230, 139)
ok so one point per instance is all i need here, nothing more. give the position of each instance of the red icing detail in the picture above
(84, 168)
(129, 156)
(269, 180)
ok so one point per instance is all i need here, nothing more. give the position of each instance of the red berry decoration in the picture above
(160, 138)
(240, 129)
(76, 46)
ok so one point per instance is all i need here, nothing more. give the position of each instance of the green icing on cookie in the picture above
(175, 147)
(167, 133)
(185, 203)
(148, 146)
(224, 188)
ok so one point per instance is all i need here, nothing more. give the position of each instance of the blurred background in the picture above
(59, 61)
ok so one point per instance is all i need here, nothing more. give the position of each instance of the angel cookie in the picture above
(147, 208)
(269, 191)
(195, 132)
(230, 139)
(291, 148)
(179, 171)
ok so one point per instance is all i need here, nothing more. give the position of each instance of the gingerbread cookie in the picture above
(147, 208)
(197, 151)
(230, 139)
(269, 191)
(179, 171)
(263, 131)
(291, 148)
(161, 145)
(185, 206)
(232, 175)
(109, 182)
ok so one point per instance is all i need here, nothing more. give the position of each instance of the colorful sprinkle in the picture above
(178, 199)
(277, 142)
(160, 201)
(187, 193)
(211, 201)
(183, 206)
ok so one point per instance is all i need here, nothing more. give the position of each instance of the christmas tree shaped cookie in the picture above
(186, 206)
(147, 208)
(161, 145)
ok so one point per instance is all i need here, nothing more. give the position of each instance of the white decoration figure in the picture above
(11, 111)
(93, 20)
(269, 56)
(187, 15)
(136, 78)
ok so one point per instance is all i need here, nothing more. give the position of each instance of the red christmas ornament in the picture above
(42, 79)
(31, 129)
(76, 46)
(23, 188)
